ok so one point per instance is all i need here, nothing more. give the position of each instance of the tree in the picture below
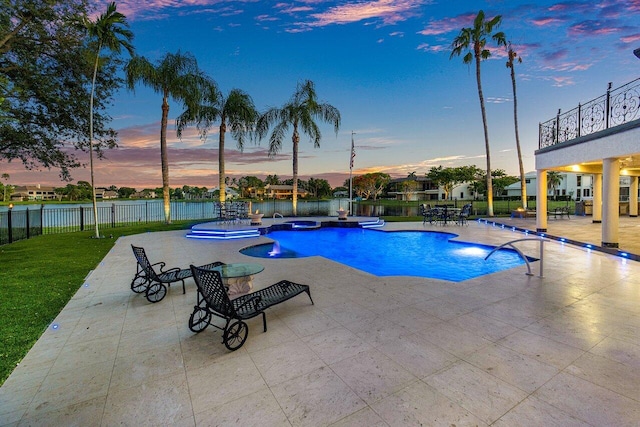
(235, 110)
(501, 181)
(45, 82)
(6, 177)
(175, 76)
(473, 40)
(301, 113)
(513, 56)
(370, 184)
(449, 178)
(126, 192)
(109, 31)
(553, 180)
(272, 180)
(318, 187)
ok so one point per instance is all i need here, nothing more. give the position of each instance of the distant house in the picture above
(110, 194)
(577, 186)
(231, 193)
(425, 189)
(33, 192)
(281, 191)
(144, 194)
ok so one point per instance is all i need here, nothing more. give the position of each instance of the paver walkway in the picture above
(505, 349)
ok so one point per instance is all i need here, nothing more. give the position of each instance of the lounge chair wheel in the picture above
(235, 335)
(139, 284)
(199, 319)
(156, 291)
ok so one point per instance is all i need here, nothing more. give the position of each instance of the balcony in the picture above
(616, 107)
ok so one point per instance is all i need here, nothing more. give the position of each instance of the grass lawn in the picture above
(40, 275)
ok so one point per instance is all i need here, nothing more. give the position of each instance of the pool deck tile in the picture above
(504, 349)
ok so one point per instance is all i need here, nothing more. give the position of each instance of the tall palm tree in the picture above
(473, 41)
(236, 110)
(6, 177)
(300, 113)
(513, 56)
(176, 75)
(553, 180)
(109, 31)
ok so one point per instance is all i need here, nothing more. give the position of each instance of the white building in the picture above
(578, 186)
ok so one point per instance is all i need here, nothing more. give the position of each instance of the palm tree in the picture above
(236, 110)
(473, 41)
(513, 56)
(110, 31)
(272, 180)
(6, 177)
(177, 76)
(553, 180)
(300, 113)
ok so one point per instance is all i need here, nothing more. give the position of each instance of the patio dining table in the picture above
(447, 214)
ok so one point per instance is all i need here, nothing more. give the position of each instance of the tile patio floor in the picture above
(503, 350)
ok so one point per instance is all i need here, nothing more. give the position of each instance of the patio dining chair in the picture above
(214, 299)
(463, 216)
(152, 282)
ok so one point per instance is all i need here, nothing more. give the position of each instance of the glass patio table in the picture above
(238, 277)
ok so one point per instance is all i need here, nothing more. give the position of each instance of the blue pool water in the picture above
(398, 253)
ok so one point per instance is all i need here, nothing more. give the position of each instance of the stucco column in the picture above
(597, 198)
(611, 198)
(633, 197)
(541, 201)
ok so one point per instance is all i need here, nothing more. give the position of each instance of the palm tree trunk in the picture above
(486, 137)
(164, 160)
(523, 182)
(93, 187)
(221, 172)
(296, 140)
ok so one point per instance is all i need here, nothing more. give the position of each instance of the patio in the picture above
(505, 349)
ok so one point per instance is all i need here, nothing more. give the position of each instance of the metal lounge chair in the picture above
(213, 299)
(152, 282)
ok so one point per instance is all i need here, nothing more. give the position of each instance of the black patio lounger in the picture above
(152, 282)
(213, 299)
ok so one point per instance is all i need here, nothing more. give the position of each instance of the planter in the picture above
(256, 219)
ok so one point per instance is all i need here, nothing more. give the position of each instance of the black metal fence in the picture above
(616, 107)
(51, 219)
(18, 224)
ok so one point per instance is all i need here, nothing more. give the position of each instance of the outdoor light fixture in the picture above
(637, 53)
(10, 205)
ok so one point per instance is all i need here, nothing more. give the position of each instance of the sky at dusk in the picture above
(384, 64)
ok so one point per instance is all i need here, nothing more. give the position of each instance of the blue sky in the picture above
(384, 64)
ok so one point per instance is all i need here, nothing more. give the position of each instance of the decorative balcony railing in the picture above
(616, 107)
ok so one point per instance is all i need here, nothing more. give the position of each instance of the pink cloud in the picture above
(433, 48)
(592, 28)
(162, 9)
(448, 24)
(389, 11)
(543, 22)
(630, 38)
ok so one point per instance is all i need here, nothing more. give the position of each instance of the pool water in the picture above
(398, 253)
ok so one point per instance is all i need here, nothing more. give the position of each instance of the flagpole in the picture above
(353, 154)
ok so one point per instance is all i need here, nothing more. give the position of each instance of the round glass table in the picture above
(238, 277)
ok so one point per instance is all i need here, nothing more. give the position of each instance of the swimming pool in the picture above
(397, 253)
